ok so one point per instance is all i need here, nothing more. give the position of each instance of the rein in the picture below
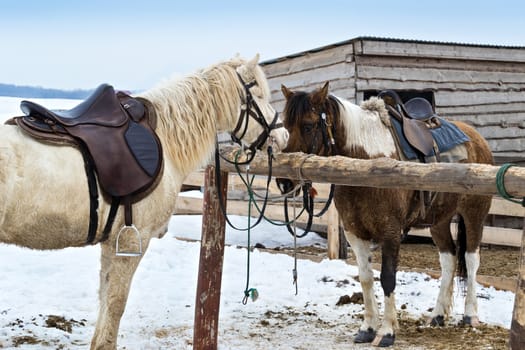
(248, 110)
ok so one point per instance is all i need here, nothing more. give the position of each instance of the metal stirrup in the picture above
(134, 231)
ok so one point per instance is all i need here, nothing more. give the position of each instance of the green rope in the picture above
(251, 197)
(249, 292)
(500, 184)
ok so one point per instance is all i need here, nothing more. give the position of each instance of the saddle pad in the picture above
(446, 137)
(144, 148)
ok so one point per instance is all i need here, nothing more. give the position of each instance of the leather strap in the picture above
(128, 213)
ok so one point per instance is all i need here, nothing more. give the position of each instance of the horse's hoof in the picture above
(471, 321)
(365, 336)
(384, 341)
(437, 321)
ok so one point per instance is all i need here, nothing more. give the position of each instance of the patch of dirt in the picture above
(495, 260)
(61, 323)
(417, 333)
(413, 334)
(452, 336)
(18, 341)
(49, 321)
(420, 253)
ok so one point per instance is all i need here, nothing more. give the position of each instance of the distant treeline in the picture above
(39, 92)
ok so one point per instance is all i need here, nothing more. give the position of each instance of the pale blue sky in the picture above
(134, 44)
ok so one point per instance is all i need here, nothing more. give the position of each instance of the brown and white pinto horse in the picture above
(380, 215)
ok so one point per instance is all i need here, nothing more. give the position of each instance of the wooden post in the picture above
(343, 243)
(337, 245)
(208, 297)
(517, 327)
(332, 232)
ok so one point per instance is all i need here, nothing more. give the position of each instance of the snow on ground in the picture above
(160, 311)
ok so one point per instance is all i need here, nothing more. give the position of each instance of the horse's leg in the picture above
(473, 211)
(361, 249)
(389, 260)
(447, 259)
(471, 301)
(116, 273)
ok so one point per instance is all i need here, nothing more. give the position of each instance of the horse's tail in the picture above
(461, 249)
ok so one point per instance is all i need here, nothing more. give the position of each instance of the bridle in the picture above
(325, 128)
(327, 133)
(250, 110)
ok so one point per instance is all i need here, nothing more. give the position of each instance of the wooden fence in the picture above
(381, 173)
(238, 205)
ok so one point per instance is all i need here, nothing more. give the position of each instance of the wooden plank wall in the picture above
(312, 70)
(482, 85)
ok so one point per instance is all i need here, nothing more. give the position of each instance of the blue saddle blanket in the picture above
(447, 136)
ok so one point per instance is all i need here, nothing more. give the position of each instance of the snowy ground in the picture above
(160, 311)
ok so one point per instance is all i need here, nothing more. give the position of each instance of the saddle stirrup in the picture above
(128, 230)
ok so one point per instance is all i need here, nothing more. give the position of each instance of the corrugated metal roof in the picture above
(372, 38)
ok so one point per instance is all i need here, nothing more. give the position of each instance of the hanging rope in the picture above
(249, 292)
(294, 272)
(500, 184)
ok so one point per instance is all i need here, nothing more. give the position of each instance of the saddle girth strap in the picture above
(115, 202)
(93, 193)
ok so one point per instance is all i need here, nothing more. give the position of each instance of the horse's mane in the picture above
(377, 105)
(190, 111)
(299, 104)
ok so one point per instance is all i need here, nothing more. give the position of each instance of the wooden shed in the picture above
(483, 85)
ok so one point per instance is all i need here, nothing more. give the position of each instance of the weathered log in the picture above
(208, 296)
(517, 327)
(387, 173)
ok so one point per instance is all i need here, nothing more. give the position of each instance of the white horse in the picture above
(44, 201)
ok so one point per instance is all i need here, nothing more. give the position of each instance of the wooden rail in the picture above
(237, 205)
(388, 173)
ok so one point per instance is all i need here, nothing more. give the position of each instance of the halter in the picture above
(248, 109)
(308, 202)
(326, 131)
(251, 109)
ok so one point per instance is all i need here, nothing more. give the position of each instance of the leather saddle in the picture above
(114, 135)
(417, 118)
(125, 150)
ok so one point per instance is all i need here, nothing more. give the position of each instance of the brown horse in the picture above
(381, 215)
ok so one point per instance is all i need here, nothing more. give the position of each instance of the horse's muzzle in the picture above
(286, 186)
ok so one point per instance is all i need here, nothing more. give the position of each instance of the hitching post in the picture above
(517, 327)
(208, 297)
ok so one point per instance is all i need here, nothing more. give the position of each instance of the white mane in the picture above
(365, 128)
(192, 110)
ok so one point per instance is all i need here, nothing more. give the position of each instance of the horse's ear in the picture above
(324, 91)
(286, 92)
(319, 96)
(253, 62)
